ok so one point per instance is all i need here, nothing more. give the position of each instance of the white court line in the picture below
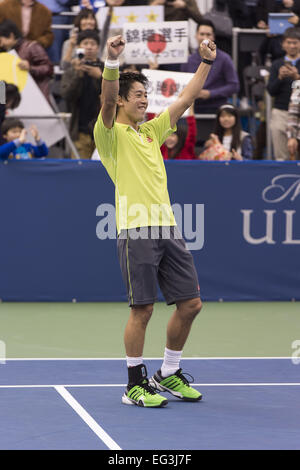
(98, 430)
(245, 384)
(145, 358)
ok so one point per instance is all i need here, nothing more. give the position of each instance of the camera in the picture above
(80, 53)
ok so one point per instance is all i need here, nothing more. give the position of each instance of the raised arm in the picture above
(193, 88)
(110, 82)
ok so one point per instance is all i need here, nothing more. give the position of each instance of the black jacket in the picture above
(280, 90)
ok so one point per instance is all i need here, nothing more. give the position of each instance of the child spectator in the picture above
(13, 99)
(16, 146)
(229, 141)
(181, 144)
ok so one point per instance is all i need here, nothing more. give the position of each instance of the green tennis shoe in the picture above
(177, 384)
(143, 395)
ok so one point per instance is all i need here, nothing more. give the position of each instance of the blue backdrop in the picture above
(241, 221)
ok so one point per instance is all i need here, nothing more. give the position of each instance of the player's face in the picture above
(13, 133)
(227, 120)
(136, 104)
(171, 141)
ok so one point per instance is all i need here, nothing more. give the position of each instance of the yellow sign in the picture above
(10, 71)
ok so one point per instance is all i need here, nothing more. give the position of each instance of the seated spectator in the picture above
(31, 17)
(81, 87)
(181, 144)
(13, 99)
(16, 146)
(179, 10)
(229, 141)
(282, 74)
(293, 123)
(34, 57)
(222, 81)
(60, 35)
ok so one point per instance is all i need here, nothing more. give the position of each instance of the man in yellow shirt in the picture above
(150, 247)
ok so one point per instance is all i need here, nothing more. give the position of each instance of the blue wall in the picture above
(50, 224)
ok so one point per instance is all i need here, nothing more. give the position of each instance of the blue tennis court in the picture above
(248, 403)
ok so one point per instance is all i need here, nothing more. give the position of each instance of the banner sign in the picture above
(164, 88)
(241, 221)
(166, 41)
(33, 102)
(131, 14)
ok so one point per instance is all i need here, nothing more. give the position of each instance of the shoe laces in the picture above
(182, 376)
(144, 385)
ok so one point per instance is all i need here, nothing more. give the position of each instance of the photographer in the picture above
(81, 87)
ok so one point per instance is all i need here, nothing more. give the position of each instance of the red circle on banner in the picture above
(156, 43)
(168, 87)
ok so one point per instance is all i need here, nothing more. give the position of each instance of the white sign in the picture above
(33, 102)
(164, 88)
(133, 14)
(167, 41)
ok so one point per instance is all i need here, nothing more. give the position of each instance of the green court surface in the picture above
(82, 330)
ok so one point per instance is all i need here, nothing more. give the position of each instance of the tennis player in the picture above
(150, 247)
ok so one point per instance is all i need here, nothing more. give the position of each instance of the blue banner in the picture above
(241, 221)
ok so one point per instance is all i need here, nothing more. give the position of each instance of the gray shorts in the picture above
(157, 257)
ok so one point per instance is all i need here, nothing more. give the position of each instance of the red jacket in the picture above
(188, 150)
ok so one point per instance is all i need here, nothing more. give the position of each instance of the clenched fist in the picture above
(115, 47)
(208, 50)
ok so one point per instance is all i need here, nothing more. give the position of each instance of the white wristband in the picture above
(112, 64)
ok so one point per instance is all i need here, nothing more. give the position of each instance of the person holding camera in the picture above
(284, 71)
(81, 87)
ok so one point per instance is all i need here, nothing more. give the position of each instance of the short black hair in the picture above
(84, 13)
(7, 27)
(291, 33)
(206, 23)
(126, 81)
(13, 96)
(11, 123)
(88, 34)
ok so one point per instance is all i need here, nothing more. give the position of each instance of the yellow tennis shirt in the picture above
(135, 164)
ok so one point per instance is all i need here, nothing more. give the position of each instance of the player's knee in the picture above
(142, 313)
(195, 306)
(191, 308)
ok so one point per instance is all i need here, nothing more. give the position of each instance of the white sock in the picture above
(134, 361)
(171, 362)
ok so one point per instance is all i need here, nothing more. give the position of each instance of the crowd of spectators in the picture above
(71, 49)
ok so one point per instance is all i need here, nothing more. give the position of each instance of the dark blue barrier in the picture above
(241, 220)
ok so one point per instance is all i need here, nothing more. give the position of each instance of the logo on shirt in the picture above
(149, 139)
